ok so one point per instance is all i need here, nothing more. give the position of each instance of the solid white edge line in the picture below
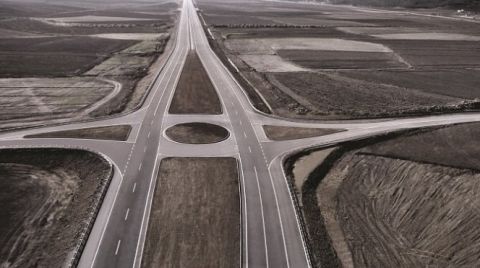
(140, 245)
(263, 216)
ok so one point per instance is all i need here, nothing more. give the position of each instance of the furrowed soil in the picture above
(195, 216)
(55, 56)
(281, 133)
(401, 201)
(403, 64)
(119, 133)
(197, 133)
(195, 93)
(117, 41)
(47, 197)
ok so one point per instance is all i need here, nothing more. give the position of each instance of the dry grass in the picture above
(119, 133)
(195, 217)
(47, 197)
(197, 133)
(403, 213)
(398, 201)
(195, 93)
(280, 133)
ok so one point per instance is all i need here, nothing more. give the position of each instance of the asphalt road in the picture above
(271, 234)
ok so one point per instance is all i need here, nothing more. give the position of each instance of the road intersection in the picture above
(271, 234)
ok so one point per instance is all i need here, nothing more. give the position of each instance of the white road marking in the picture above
(140, 167)
(126, 214)
(236, 112)
(149, 133)
(118, 247)
(244, 134)
(263, 216)
(134, 186)
(145, 149)
(241, 123)
(250, 149)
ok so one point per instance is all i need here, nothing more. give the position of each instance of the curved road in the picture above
(271, 234)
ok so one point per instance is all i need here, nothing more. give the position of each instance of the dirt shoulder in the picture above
(48, 195)
(195, 216)
(195, 93)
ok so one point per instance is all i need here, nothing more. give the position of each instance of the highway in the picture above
(271, 234)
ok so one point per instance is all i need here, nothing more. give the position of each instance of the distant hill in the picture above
(458, 4)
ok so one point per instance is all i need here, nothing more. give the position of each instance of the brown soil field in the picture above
(30, 25)
(456, 83)
(119, 133)
(48, 195)
(35, 99)
(445, 56)
(335, 96)
(55, 56)
(35, 43)
(319, 59)
(437, 54)
(404, 213)
(281, 133)
(195, 216)
(195, 93)
(403, 200)
(197, 133)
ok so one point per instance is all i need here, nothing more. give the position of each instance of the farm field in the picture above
(48, 197)
(71, 41)
(368, 203)
(195, 217)
(328, 62)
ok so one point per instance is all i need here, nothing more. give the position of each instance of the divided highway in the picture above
(271, 235)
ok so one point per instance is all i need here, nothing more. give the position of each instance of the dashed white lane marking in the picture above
(250, 149)
(126, 214)
(145, 149)
(118, 247)
(245, 134)
(241, 123)
(149, 133)
(140, 167)
(134, 186)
